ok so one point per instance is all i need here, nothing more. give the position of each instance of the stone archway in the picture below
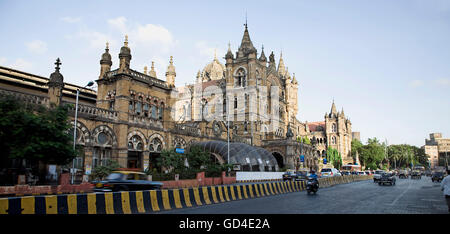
(280, 159)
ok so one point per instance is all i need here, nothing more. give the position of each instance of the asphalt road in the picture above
(365, 197)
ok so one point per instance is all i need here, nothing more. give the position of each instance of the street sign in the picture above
(324, 160)
(302, 158)
(88, 169)
(180, 151)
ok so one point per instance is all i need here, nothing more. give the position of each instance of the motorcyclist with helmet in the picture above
(313, 183)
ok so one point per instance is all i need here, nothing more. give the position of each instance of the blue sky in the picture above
(385, 62)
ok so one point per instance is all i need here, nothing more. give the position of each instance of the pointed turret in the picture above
(170, 73)
(333, 110)
(262, 58)
(281, 68)
(229, 54)
(246, 46)
(294, 81)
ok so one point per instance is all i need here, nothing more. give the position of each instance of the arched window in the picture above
(156, 145)
(154, 114)
(161, 111)
(241, 78)
(333, 128)
(333, 140)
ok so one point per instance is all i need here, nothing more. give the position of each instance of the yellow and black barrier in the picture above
(138, 202)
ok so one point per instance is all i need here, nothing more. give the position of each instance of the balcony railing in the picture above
(27, 98)
(145, 121)
(93, 111)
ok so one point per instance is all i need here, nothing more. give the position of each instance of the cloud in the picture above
(206, 50)
(416, 83)
(37, 46)
(71, 20)
(144, 36)
(21, 64)
(96, 40)
(444, 82)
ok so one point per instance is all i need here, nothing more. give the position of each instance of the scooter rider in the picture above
(313, 175)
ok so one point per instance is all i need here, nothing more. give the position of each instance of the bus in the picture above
(350, 168)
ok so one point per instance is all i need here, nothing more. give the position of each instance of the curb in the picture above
(151, 201)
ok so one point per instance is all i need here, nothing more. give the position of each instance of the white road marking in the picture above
(399, 196)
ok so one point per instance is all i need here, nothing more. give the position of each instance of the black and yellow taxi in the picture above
(126, 181)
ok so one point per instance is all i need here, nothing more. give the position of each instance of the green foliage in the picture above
(334, 157)
(197, 158)
(372, 153)
(373, 156)
(172, 161)
(356, 147)
(403, 155)
(100, 172)
(34, 132)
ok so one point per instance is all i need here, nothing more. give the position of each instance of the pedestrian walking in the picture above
(445, 186)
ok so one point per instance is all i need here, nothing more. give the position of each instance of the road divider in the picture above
(138, 202)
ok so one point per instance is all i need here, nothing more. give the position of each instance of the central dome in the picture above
(213, 71)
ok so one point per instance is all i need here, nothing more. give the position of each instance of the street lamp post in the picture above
(75, 127)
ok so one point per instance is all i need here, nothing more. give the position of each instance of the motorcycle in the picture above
(312, 185)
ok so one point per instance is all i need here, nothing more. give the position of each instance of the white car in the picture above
(377, 175)
(329, 172)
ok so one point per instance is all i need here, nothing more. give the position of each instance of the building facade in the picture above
(135, 115)
(437, 149)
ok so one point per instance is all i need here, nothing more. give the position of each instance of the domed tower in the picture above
(105, 62)
(56, 85)
(124, 57)
(213, 71)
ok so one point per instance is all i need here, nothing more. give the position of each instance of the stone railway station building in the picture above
(129, 118)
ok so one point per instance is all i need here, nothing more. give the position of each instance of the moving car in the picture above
(437, 176)
(377, 175)
(295, 175)
(416, 175)
(387, 178)
(403, 174)
(329, 172)
(126, 181)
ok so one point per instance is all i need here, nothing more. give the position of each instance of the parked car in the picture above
(377, 175)
(428, 173)
(126, 181)
(437, 176)
(329, 172)
(346, 173)
(387, 178)
(368, 172)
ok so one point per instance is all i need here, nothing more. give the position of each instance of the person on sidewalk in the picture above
(445, 186)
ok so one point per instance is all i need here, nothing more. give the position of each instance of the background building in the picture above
(437, 149)
(134, 115)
